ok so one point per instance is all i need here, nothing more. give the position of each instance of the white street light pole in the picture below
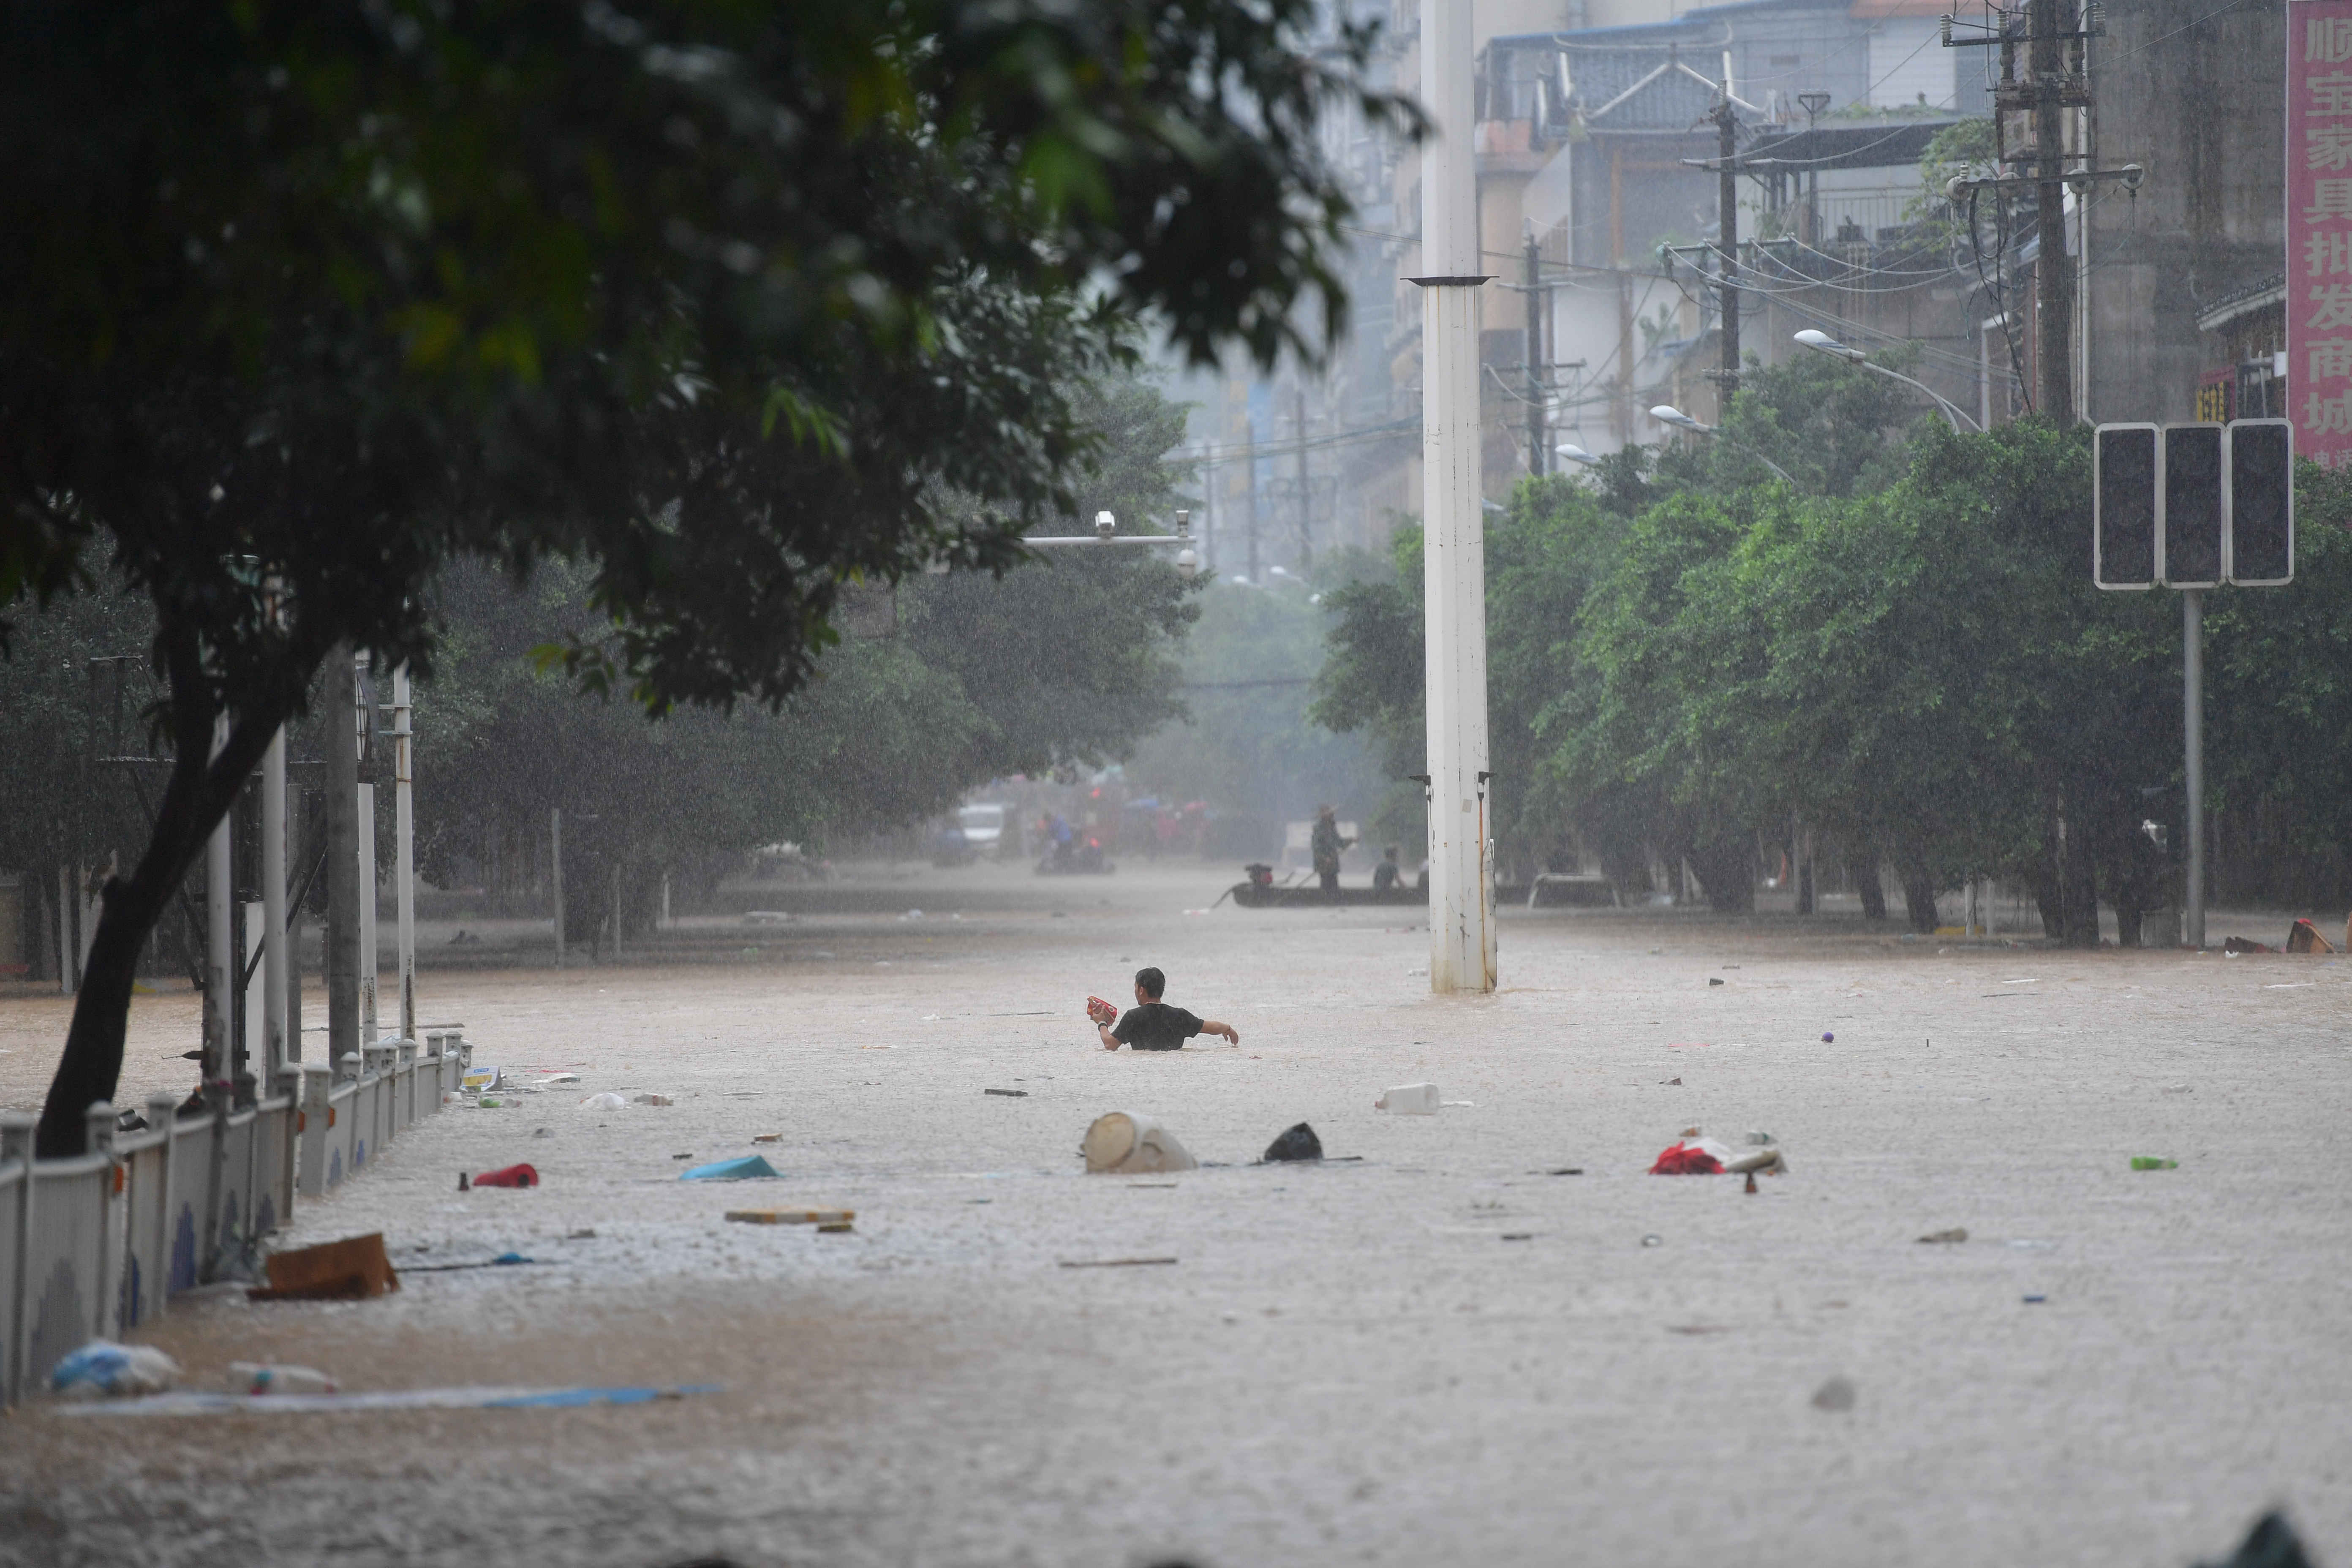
(1824, 343)
(220, 971)
(1667, 414)
(1461, 905)
(403, 829)
(281, 1047)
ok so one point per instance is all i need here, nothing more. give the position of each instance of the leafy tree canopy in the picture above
(735, 305)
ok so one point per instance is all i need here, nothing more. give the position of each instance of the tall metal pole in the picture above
(342, 743)
(2052, 276)
(1306, 508)
(220, 948)
(555, 873)
(1249, 494)
(369, 1032)
(1461, 917)
(273, 914)
(1209, 514)
(404, 830)
(1727, 237)
(1539, 444)
(2192, 717)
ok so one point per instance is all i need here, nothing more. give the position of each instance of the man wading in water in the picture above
(1327, 843)
(1152, 1025)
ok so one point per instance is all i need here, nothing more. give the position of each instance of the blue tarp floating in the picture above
(190, 1402)
(749, 1168)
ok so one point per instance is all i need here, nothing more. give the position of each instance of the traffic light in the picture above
(2188, 518)
(2258, 511)
(2123, 506)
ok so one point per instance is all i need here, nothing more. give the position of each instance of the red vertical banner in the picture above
(2319, 228)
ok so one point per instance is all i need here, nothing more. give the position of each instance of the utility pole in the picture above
(1305, 502)
(221, 968)
(364, 834)
(1539, 443)
(2055, 81)
(404, 819)
(2192, 713)
(2054, 307)
(342, 743)
(278, 1048)
(1727, 237)
(1249, 495)
(555, 873)
(1461, 913)
(1621, 412)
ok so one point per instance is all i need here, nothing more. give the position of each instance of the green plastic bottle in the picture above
(2150, 1162)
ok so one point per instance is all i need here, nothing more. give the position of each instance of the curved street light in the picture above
(1578, 455)
(1667, 414)
(1824, 343)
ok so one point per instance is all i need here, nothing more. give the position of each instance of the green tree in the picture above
(1066, 658)
(300, 302)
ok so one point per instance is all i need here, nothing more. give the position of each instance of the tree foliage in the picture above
(1904, 661)
(735, 306)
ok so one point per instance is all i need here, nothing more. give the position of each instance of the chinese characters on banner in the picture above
(2319, 228)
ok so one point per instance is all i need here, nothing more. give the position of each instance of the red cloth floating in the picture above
(1681, 1160)
(512, 1177)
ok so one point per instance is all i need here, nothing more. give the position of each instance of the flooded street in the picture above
(1429, 1350)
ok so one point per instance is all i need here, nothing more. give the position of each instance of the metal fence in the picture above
(96, 1245)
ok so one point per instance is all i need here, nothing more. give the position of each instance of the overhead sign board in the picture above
(2193, 506)
(2319, 228)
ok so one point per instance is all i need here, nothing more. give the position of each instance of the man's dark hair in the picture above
(1152, 981)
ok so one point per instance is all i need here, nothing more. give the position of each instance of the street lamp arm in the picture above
(1785, 477)
(1822, 342)
(1667, 413)
(1949, 410)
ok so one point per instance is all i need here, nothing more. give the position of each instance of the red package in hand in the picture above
(1101, 1011)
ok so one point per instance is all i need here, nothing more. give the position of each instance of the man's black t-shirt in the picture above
(1156, 1027)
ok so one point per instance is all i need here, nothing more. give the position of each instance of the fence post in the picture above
(99, 1123)
(162, 1113)
(318, 1081)
(353, 1066)
(289, 1084)
(208, 1249)
(16, 1144)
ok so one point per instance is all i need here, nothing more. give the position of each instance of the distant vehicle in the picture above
(983, 828)
(788, 862)
(949, 848)
(1076, 858)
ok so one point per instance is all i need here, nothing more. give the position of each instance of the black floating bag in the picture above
(1299, 1143)
(2272, 1543)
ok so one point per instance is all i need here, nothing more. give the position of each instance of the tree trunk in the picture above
(1919, 901)
(2078, 890)
(202, 788)
(1863, 869)
(1727, 867)
(2044, 883)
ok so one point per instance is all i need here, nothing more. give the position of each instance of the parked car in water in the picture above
(983, 828)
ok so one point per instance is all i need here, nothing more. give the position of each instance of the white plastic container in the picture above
(1125, 1145)
(1410, 1100)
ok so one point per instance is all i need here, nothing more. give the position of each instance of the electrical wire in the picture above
(2175, 32)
